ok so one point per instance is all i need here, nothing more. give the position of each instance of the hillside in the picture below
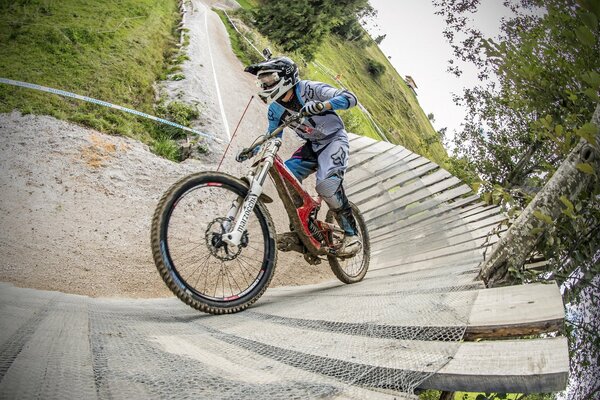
(393, 105)
(112, 51)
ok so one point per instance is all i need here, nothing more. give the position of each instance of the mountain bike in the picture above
(214, 242)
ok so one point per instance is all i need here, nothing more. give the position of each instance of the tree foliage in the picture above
(301, 25)
(539, 87)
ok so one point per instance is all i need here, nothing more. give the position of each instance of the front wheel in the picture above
(196, 264)
(353, 269)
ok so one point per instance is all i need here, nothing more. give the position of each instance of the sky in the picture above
(418, 48)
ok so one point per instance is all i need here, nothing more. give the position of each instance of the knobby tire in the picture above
(175, 280)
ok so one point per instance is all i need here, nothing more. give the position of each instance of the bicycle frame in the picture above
(301, 207)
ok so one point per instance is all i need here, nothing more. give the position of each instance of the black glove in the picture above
(312, 108)
(242, 155)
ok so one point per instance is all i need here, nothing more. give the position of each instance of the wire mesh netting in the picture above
(381, 338)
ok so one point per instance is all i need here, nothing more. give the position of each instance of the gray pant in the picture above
(330, 164)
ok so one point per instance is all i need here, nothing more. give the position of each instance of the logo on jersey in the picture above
(339, 157)
(307, 129)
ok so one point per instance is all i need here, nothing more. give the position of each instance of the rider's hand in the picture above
(312, 108)
(243, 155)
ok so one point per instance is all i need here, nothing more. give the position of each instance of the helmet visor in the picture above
(267, 80)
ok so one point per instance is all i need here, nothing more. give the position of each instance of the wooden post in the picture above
(517, 243)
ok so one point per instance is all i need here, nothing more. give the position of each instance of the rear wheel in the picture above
(189, 252)
(352, 269)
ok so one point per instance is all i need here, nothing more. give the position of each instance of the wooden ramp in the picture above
(423, 221)
(420, 319)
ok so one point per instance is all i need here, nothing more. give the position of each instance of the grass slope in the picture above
(391, 102)
(110, 50)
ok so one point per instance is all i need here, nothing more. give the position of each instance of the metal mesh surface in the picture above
(380, 338)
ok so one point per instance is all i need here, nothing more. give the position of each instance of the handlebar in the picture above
(246, 153)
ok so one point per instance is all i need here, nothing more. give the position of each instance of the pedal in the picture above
(289, 241)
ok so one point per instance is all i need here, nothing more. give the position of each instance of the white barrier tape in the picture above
(244, 36)
(106, 104)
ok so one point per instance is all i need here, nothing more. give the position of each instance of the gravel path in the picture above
(75, 204)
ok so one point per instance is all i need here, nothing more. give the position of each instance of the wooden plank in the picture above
(389, 157)
(379, 168)
(401, 208)
(358, 143)
(372, 188)
(452, 229)
(399, 257)
(384, 220)
(449, 222)
(478, 366)
(517, 366)
(419, 182)
(469, 260)
(445, 211)
(370, 152)
(494, 313)
(516, 311)
(389, 201)
(431, 241)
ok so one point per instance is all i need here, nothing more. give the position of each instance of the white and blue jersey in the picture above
(326, 149)
(319, 130)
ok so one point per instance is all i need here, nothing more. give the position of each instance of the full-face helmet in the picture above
(274, 77)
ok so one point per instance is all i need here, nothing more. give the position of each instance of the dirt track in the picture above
(75, 204)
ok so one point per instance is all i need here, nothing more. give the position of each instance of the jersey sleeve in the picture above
(340, 99)
(274, 115)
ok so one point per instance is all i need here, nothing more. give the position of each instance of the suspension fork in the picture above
(242, 214)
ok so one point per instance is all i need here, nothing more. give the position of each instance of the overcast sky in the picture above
(417, 48)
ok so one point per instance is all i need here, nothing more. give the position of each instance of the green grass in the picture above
(391, 102)
(109, 50)
(243, 51)
(248, 4)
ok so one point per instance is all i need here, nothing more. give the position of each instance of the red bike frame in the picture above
(301, 208)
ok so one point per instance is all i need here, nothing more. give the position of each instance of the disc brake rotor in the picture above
(215, 243)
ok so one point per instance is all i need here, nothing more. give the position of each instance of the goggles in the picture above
(267, 79)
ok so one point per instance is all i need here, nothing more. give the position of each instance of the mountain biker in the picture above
(326, 149)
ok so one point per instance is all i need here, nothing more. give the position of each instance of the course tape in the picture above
(106, 104)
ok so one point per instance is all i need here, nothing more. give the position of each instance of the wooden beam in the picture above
(516, 311)
(521, 366)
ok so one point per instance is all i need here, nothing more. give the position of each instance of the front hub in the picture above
(214, 235)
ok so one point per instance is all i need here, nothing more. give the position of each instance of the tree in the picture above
(301, 25)
(380, 38)
(539, 87)
(375, 68)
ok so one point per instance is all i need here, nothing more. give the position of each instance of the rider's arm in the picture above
(333, 98)
(274, 115)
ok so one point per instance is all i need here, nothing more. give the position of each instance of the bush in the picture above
(375, 68)
(167, 148)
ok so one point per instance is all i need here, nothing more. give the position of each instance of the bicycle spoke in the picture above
(243, 267)
(196, 265)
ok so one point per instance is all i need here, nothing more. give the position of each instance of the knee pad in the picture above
(332, 191)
